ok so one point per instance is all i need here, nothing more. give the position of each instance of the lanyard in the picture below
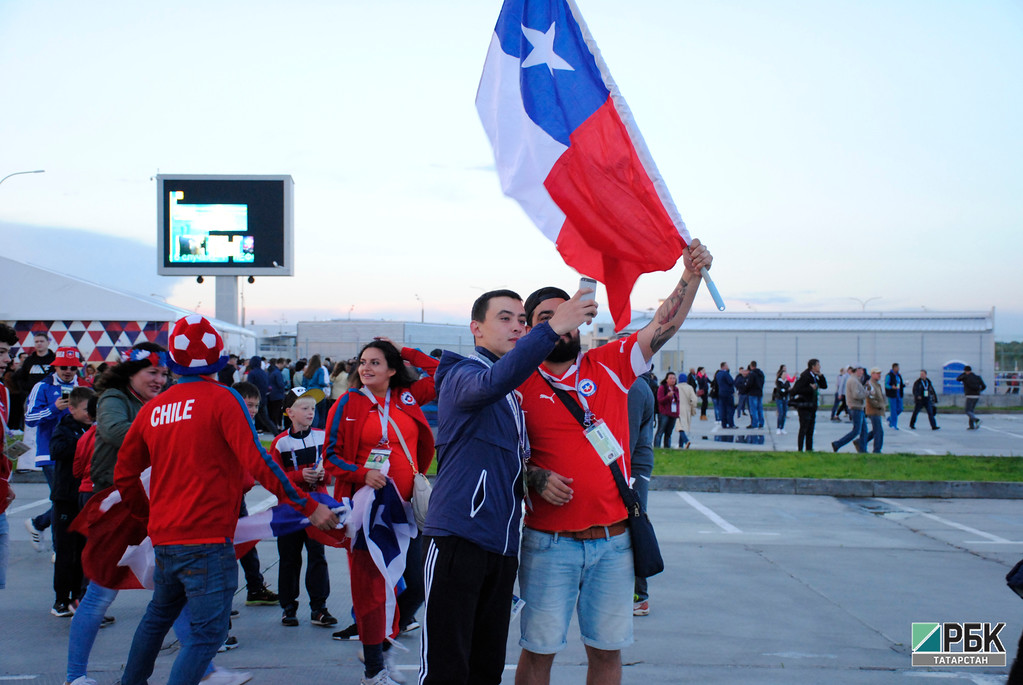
(294, 457)
(383, 415)
(587, 414)
(517, 413)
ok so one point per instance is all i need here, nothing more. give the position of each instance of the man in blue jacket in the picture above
(471, 534)
(47, 405)
(278, 389)
(726, 396)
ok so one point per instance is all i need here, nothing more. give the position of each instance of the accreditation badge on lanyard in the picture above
(604, 442)
(595, 430)
(379, 455)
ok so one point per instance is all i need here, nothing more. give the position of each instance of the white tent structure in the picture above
(100, 321)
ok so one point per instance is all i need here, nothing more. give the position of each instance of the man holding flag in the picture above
(568, 150)
(199, 441)
(576, 551)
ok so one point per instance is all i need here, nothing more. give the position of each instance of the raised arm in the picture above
(676, 306)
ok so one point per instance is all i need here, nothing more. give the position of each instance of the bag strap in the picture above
(404, 447)
(624, 491)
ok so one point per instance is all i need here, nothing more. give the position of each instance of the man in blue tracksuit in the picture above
(471, 534)
(47, 405)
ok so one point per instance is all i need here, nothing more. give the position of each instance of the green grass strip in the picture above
(742, 464)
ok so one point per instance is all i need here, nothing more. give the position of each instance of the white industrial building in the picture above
(940, 342)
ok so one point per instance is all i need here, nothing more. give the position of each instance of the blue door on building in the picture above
(950, 372)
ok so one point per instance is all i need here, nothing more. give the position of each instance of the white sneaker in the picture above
(35, 536)
(225, 676)
(392, 668)
(82, 680)
(381, 678)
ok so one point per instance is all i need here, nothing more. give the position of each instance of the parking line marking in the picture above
(987, 536)
(720, 522)
(995, 430)
(23, 507)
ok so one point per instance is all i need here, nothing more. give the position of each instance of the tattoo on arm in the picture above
(661, 336)
(671, 306)
(537, 479)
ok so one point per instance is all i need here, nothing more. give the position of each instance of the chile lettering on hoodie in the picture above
(171, 413)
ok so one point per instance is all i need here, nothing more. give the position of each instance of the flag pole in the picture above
(713, 289)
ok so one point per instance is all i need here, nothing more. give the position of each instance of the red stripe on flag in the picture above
(616, 227)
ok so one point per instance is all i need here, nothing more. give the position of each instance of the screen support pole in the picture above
(227, 299)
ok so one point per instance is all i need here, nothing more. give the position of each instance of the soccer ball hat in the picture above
(196, 349)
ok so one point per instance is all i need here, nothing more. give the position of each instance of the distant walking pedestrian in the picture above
(781, 397)
(874, 408)
(924, 398)
(804, 398)
(893, 389)
(973, 385)
(667, 410)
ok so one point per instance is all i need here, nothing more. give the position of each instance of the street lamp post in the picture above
(863, 303)
(18, 173)
(422, 310)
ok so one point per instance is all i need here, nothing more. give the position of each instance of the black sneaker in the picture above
(322, 617)
(349, 633)
(289, 619)
(261, 597)
(230, 643)
(107, 621)
(61, 610)
(410, 626)
(234, 613)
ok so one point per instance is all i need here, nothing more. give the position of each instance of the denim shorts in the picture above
(594, 577)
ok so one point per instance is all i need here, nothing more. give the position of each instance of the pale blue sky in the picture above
(823, 150)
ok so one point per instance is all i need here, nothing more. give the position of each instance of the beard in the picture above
(565, 350)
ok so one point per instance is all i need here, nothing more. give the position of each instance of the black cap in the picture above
(539, 296)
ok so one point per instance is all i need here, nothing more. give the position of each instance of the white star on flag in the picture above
(543, 50)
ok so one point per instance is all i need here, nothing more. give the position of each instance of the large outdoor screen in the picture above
(224, 225)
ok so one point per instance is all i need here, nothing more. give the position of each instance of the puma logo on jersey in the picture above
(547, 397)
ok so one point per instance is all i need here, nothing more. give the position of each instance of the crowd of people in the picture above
(863, 397)
(175, 435)
(528, 417)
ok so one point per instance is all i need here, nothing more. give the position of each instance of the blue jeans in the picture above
(858, 431)
(5, 539)
(876, 432)
(782, 406)
(756, 410)
(559, 576)
(895, 408)
(727, 406)
(43, 521)
(971, 404)
(665, 424)
(86, 623)
(203, 576)
(84, 626)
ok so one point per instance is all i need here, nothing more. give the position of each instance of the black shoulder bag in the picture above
(646, 553)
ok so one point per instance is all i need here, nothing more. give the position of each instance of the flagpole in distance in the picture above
(640, 145)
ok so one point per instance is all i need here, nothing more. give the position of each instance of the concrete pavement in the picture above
(772, 589)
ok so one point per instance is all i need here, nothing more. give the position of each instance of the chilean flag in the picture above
(568, 150)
